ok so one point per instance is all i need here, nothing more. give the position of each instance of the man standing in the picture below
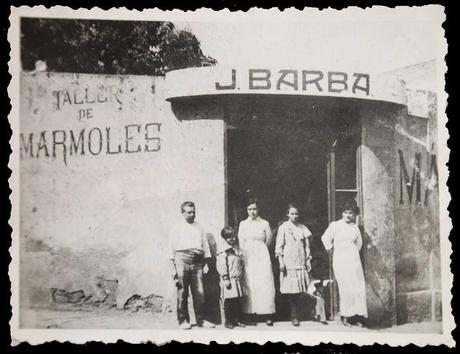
(189, 254)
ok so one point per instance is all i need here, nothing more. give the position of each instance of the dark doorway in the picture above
(278, 164)
(279, 151)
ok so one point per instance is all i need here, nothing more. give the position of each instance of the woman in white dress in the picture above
(293, 253)
(344, 239)
(255, 236)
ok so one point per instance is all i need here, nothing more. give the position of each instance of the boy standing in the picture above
(230, 268)
(189, 255)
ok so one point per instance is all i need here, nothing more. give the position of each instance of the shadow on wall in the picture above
(131, 254)
(90, 293)
(59, 276)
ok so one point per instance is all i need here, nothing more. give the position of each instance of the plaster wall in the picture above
(94, 216)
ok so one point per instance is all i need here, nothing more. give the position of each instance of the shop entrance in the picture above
(292, 152)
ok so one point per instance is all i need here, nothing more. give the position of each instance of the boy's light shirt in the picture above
(185, 236)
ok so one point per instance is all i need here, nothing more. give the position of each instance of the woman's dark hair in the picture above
(227, 232)
(250, 201)
(291, 205)
(350, 205)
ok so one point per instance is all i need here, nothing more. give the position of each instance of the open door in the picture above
(343, 184)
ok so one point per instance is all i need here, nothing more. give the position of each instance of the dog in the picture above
(317, 289)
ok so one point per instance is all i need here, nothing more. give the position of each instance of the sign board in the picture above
(216, 81)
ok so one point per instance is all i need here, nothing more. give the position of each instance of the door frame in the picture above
(331, 203)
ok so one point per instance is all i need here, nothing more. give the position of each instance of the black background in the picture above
(5, 131)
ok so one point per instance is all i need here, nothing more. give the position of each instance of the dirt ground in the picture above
(119, 319)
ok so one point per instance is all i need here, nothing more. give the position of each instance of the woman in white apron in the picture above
(255, 236)
(343, 237)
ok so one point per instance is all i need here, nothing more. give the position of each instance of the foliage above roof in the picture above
(109, 47)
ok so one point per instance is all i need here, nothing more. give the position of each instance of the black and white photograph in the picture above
(232, 177)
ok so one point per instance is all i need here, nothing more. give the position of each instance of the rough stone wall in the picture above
(377, 210)
(417, 216)
(104, 167)
(401, 212)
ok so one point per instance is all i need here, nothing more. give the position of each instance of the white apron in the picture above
(254, 236)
